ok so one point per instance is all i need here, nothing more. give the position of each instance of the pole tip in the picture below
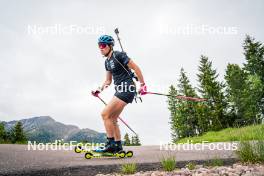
(116, 31)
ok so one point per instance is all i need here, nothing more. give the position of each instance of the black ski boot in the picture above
(109, 146)
(118, 146)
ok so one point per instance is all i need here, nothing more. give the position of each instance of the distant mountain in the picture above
(46, 129)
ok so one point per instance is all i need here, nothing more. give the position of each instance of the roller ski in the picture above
(120, 154)
(111, 149)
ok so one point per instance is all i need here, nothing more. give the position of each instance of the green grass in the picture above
(190, 166)
(168, 164)
(9, 142)
(251, 151)
(129, 168)
(253, 132)
(246, 152)
(215, 162)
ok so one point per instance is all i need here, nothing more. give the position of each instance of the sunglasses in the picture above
(102, 45)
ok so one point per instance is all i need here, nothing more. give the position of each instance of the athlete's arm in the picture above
(132, 65)
(108, 80)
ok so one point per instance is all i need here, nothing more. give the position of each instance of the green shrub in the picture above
(129, 168)
(260, 151)
(168, 164)
(251, 152)
(190, 166)
(246, 152)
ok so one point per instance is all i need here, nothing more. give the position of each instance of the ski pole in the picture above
(118, 117)
(119, 41)
(179, 96)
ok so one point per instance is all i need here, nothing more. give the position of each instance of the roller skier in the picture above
(119, 68)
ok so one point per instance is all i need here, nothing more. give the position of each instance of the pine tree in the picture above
(184, 117)
(212, 90)
(254, 55)
(136, 141)
(172, 106)
(18, 133)
(245, 86)
(127, 140)
(188, 108)
(236, 86)
(133, 141)
(3, 134)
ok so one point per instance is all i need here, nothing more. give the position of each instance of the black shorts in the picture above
(127, 95)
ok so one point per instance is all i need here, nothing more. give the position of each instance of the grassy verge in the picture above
(253, 132)
(251, 151)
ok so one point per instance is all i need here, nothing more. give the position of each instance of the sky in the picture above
(50, 61)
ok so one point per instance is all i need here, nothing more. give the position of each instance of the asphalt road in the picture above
(18, 160)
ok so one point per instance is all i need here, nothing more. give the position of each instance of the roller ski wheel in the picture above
(121, 154)
(129, 154)
(78, 149)
(88, 155)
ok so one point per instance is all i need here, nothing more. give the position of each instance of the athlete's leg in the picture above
(115, 116)
(117, 134)
(109, 115)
